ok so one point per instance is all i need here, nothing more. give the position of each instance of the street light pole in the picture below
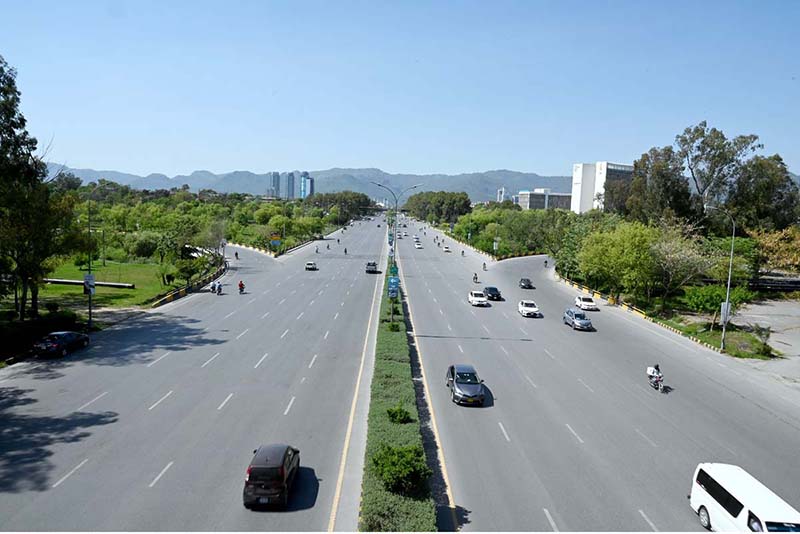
(396, 201)
(89, 218)
(730, 270)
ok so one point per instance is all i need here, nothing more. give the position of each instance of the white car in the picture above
(417, 245)
(477, 298)
(528, 308)
(446, 249)
(311, 266)
(585, 303)
(415, 237)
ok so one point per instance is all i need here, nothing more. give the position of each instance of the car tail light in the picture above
(281, 472)
(247, 475)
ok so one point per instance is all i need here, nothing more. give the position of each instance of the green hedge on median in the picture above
(394, 449)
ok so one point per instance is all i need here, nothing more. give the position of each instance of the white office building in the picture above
(501, 194)
(542, 199)
(589, 181)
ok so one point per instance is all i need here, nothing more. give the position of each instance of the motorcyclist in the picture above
(484, 266)
(337, 240)
(475, 278)
(219, 288)
(241, 286)
(545, 264)
(328, 246)
(214, 286)
(236, 254)
(654, 373)
(345, 251)
(316, 249)
(462, 252)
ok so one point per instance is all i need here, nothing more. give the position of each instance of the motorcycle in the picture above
(241, 290)
(656, 381)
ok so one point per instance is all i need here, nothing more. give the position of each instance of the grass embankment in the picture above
(739, 341)
(144, 275)
(409, 507)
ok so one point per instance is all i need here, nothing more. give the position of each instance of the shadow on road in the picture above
(25, 440)
(303, 495)
(447, 519)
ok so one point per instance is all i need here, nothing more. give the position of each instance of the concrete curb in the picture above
(182, 292)
(632, 309)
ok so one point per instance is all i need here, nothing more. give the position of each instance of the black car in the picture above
(60, 343)
(525, 283)
(492, 293)
(270, 475)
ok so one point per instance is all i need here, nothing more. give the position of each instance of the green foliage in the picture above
(438, 206)
(142, 244)
(402, 469)
(189, 269)
(708, 299)
(394, 327)
(399, 415)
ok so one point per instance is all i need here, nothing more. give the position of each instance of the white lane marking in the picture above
(550, 520)
(326, 285)
(326, 334)
(302, 380)
(648, 521)
(351, 284)
(284, 333)
(293, 292)
(435, 300)
(722, 365)
(348, 291)
(648, 440)
(585, 385)
(265, 292)
(342, 304)
(321, 291)
(265, 315)
(159, 359)
(449, 327)
(209, 360)
(159, 400)
(299, 316)
(473, 312)
(91, 401)
(548, 353)
(574, 433)
(62, 479)
(225, 401)
(484, 327)
(460, 349)
(311, 303)
(261, 360)
(289, 407)
(231, 313)
(251, 301)
(531, 381)
(243, 333)
(278, 284)
(504, 315)
(504, 431)
(504, 349)
(429, 290)
(155, 480)
(312, 361)
(523, 331)
(336, 316)
(441, 312)
(282, 301)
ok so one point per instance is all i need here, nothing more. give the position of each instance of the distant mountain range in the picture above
(480, 186)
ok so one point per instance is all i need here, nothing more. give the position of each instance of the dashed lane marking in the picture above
(504, 431)
(261, 360)
(550, 520)
(155, 480)
(243, 333)
(159, 400)
(209, 360)
(285, 412)
(91, 401)
(159, 359)
(574, 433)
(312, 361)
(284, 333)
(65, 477)
(225, 401)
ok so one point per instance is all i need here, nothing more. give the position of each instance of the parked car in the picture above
(585, 303)
(271, 475)
(60, 343)
(464, 384)
(577, 319)
(528, 308)
(311, 266)
(525, 283)
(477, 298)
(372, 267)
(492, 293)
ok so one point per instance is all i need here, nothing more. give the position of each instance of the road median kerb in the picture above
(633, 309)
(183, 291)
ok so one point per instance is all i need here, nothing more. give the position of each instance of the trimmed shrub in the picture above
(399, 415)
(402, 469)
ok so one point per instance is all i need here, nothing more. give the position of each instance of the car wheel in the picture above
(285, 499)
(573, 325)
(452, 396)
(85, 342)
(705, 521)
(247, 506)
(63, 352)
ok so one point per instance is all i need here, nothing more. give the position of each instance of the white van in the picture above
(728, 498)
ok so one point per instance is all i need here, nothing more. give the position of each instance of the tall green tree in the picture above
(658, 188)
(763, 196)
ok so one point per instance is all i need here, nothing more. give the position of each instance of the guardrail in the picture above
(191, 288)
(62, 281)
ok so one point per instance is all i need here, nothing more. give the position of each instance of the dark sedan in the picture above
(525, 283)
(271, 475)
(61, 343)
(492, 293)
(465, 386)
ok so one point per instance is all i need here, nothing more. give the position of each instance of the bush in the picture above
(708, 299)
(52, 307)
(402, 469)
(399, 415)
(394, 327)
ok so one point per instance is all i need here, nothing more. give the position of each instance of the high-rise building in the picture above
(501, 194)
(290, 185)
(542, 199)
(589, 182)
(276, 184)
(309, 185)
(306, 185)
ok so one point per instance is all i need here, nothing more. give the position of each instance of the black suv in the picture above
(492, 293)
(525, 283)
(270, 475)
(372, 267)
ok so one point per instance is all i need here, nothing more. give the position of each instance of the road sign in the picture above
(394, 281)
(88, 284)
(393, 270)
(725, 312)
(275, 242)
(392, 292)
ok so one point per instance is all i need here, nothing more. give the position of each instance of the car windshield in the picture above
(477, 294)
(782, 527)
(491, 290)
(587, 299)
(529, 304)
(525, 281)
(467, 378)
(580, 316)
(261, 475)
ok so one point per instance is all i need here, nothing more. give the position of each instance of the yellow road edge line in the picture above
(340, 479)
(428, 401)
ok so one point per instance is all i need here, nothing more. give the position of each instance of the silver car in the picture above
(577, 319)
(465, 386)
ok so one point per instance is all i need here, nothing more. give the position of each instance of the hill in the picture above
(480, 186)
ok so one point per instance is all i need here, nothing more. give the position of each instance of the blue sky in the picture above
(406, 86)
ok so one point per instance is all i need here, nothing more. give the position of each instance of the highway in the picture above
(153, 426)
(572, 436)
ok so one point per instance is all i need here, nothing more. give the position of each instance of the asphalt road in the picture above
(573, 437)
(153, 426)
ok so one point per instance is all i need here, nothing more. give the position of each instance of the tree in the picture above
(780, 251)
(658, 188)
(712, 159)
(65, 181)
(678, 258)
(763, 196)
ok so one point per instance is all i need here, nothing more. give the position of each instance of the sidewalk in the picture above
(783, 316)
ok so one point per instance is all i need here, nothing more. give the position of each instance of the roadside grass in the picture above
(392, 386)
(740, 342)
(144, 275)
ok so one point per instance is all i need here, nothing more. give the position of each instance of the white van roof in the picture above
(754, 495)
